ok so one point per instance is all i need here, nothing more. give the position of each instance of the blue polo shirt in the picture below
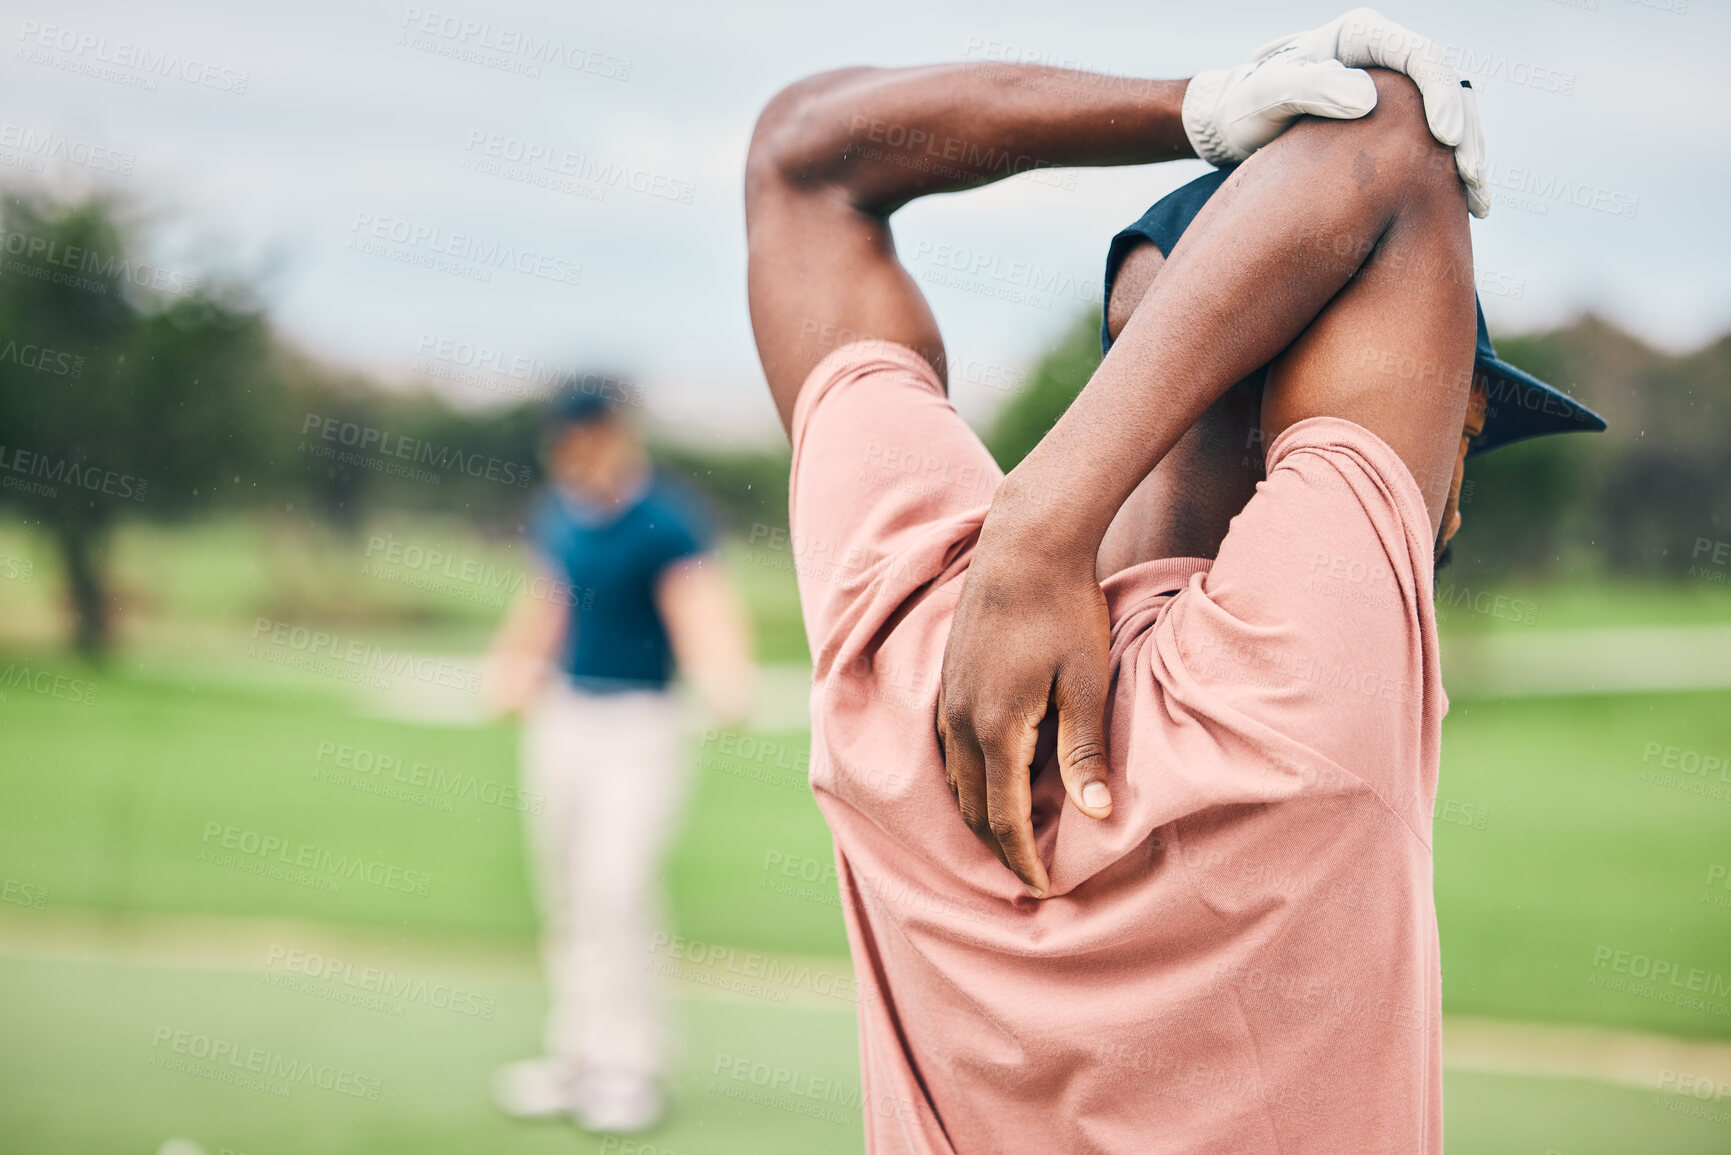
(613, 559)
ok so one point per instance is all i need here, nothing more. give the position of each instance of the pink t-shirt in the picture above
(1243, 958)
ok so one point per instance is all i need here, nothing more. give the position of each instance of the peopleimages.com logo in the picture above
(44, 144)
(42, 359)
(223, 842)
(464, 254)
(47, 258)
(47, 683)
(135, 65)
(255, 1068)
(381, 449)
(43, 474)
(320, 651)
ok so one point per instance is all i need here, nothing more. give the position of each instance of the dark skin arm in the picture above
(834, 155)
(1335, 239)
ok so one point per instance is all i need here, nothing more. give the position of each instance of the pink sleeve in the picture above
(886, 475)
(1316, 620)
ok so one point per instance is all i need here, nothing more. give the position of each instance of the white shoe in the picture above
(535, 1088)
(617, 1104)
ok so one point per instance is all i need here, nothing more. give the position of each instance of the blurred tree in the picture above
(1052, 385)
(748, 487)
(336, 490)
(1639, 495)
(125, 389)
(1634, 500)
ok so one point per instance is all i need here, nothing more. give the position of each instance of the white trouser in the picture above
(611, 771)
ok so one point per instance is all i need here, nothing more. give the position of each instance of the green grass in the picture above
(431, 583)
(1499, 1115)
(1578, 853)
(176, 581)
(83, 1049)
(83, 1068)
(112, 806)
(1549, 847)
(1578, 604)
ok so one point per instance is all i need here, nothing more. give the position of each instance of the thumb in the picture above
(1274, 46)
(1470, 155)
(1329, 88)
(1082, 742)
(1368, 39)
(1445, 102)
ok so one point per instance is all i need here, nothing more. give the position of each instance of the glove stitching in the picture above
(1201, 123)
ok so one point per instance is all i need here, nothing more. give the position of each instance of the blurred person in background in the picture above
(626, 588)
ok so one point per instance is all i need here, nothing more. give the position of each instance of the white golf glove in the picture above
(1230, 114)
(1365, 38)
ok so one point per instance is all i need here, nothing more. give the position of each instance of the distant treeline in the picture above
(1650, 497)
(128, 392)
(1638, 500)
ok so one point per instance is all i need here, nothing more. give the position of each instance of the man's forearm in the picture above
(1262, 259)
(886, 136)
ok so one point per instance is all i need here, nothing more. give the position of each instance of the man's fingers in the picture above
(965, 770)
(1081, 706)
(943, 732)
(1451, 111)
(1366, 37)
(1444, 100)
(1470, 157)
(1478, 204)
(1329, 88)
(1009, 803)
(1274, 46)
(1363, 38)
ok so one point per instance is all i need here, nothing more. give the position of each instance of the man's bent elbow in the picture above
(801, 137)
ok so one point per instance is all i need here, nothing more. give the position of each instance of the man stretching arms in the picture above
(1226, 940)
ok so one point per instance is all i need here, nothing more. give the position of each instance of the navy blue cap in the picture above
(1518, 405)
(572, 406)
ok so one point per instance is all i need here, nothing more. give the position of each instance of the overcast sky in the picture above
(293, 142)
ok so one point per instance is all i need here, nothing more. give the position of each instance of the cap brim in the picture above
(1519, 405)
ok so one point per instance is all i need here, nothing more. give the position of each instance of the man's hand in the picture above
(1365, 38)
(521, 656)
(510, 683)
(711, 635)
(1230, 113)
(1030, 633)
